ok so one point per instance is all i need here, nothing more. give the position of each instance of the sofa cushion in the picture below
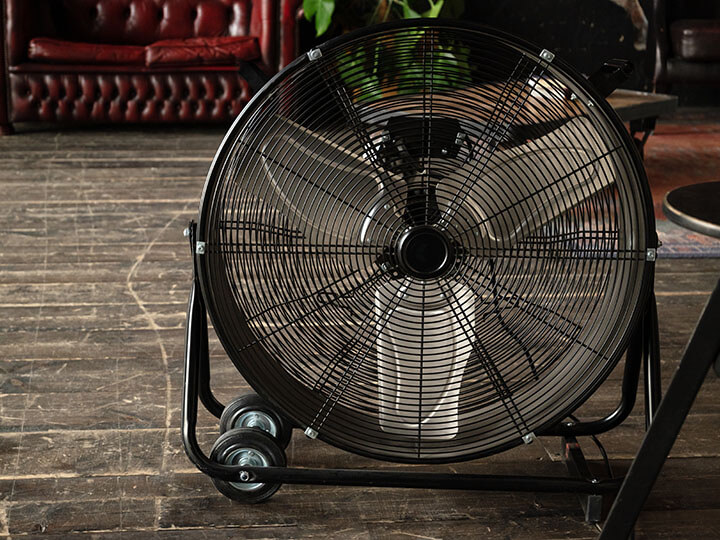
(72, 52)
(199, 51)
(141, 22)
(696, 39)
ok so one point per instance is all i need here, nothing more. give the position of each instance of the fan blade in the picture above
(329, 189)
(418, 388)
(527, 186)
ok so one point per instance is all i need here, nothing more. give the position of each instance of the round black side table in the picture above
(695, 207)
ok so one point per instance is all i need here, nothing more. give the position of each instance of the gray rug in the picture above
(678, 242)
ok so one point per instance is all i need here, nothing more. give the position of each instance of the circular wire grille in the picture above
(425, 241)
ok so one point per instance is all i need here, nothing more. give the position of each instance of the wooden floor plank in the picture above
(95, 275)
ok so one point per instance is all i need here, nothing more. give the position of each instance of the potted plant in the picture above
(372, 72)
(347, 15)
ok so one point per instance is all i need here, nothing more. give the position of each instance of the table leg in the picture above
(646, 126)
(702, 351)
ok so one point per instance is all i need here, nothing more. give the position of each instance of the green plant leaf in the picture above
(321, 11)
(310, 8)
(408, 12)
(435, 8)
(452, 66)
(358, 71)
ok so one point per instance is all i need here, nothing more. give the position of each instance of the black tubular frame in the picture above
(701, 352)
(196, 387)
(644, 348)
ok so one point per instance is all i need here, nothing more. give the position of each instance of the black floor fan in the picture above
(422, 242)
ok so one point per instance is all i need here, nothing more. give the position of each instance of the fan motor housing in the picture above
(425, 252)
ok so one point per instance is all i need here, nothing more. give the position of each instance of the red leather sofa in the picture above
(137, 60)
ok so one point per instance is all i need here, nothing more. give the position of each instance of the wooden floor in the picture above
(95, 276)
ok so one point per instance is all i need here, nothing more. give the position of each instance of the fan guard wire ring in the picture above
(544, 197)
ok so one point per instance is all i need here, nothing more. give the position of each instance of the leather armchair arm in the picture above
(24, 20)
(290, 14)
(263, 24)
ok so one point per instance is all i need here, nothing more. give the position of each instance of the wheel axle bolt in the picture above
(244, 476)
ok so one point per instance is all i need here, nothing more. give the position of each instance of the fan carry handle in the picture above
(611, 75)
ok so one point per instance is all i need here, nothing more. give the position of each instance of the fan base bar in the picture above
(424, 480)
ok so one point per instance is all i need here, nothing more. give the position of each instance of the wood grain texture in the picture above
(95, 275)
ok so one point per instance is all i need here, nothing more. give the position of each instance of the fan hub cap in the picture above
(425, 252)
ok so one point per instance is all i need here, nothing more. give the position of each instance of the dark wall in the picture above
(692, 9)
(584, 33)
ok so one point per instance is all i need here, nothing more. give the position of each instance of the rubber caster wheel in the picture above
(250, 447)
(253, 411)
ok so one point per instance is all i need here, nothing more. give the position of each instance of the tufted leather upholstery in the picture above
(126, 97)
(36, 90)
(137, 22)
